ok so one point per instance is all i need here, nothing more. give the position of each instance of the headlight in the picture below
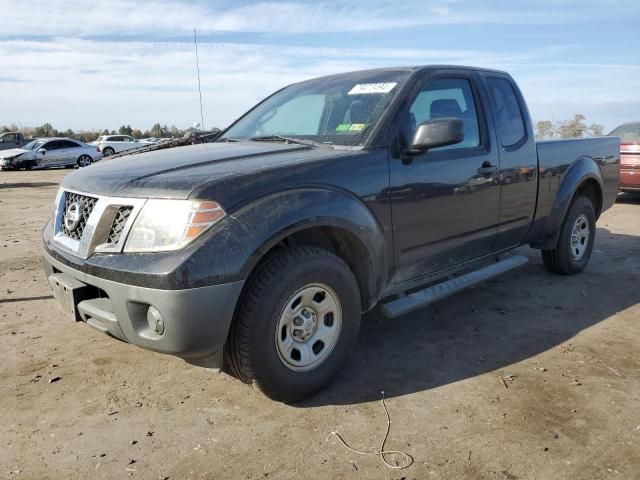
(164, 225)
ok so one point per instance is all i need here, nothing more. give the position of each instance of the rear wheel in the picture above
(84, 161)
(576, 239)
(297, 324)
(108, 151)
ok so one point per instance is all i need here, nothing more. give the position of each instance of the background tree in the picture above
(595, 130)
(544, 129)
(573, 128)
(47, 130)
(125, 130)
(156, 130)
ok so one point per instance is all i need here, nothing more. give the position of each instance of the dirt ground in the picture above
(78, 404)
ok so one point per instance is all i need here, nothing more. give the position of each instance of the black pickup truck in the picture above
(260, 251)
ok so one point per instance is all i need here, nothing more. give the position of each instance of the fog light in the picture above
(155, 320)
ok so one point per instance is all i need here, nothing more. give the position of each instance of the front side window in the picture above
(10, 137)
(447, 97)
(337, 110)
(509, 117)
(54, 145)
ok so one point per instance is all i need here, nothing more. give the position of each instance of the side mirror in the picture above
(42, 151)
(437, 132)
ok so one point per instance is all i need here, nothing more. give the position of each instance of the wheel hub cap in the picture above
(309, 327)
(580, 237)
(304, 324)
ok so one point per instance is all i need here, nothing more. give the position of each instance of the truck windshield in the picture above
(336, 110)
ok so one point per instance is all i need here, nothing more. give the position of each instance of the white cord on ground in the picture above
(408, 459)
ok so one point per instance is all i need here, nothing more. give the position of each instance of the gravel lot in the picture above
(528, 376)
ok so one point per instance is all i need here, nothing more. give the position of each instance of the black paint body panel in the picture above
(415, 218)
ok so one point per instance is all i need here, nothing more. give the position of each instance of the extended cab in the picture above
(262, 249)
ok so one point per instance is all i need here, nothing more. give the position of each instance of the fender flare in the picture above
(238, 244)
(582, 170)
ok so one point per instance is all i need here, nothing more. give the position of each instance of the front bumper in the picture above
(196, 320)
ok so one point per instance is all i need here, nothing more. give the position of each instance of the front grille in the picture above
(86, 207)
(118, 224)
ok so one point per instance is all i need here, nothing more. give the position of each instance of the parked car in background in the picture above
(49, 152)
(11, 140)
(629, 134)
(110, 144)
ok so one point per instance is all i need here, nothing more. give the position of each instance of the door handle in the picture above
(487, 169)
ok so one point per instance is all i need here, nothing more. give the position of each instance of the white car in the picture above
(110, 144)
(49, 152)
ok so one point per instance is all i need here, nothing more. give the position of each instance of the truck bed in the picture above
(557, 159)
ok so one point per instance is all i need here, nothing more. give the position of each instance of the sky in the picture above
(92, 65)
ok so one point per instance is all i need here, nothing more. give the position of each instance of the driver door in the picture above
(49, 154)
(444, 201)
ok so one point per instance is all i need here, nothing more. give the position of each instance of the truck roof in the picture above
(410, 69)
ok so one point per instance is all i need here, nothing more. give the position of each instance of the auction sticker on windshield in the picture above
(363, 88)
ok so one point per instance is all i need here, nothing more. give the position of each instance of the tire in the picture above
(108, 151)
(569, 258)
(294, 283)
(84, 161)
(27, 165)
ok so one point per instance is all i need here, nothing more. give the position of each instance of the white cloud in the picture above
(73, 74)
(75, 83)
(175, 17)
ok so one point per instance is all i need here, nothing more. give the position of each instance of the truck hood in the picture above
(176, 172)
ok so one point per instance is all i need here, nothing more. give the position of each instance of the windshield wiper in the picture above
(280, 138)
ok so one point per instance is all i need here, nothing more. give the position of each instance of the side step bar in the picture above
(421, 298)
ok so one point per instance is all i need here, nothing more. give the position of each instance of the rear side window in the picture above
(509, 118)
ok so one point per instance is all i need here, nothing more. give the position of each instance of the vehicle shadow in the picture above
(4, 186)
(488, 327)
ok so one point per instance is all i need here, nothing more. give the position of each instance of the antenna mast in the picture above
(195, 42)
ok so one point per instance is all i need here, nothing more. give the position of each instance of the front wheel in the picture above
(576, 239)
(297, 324)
